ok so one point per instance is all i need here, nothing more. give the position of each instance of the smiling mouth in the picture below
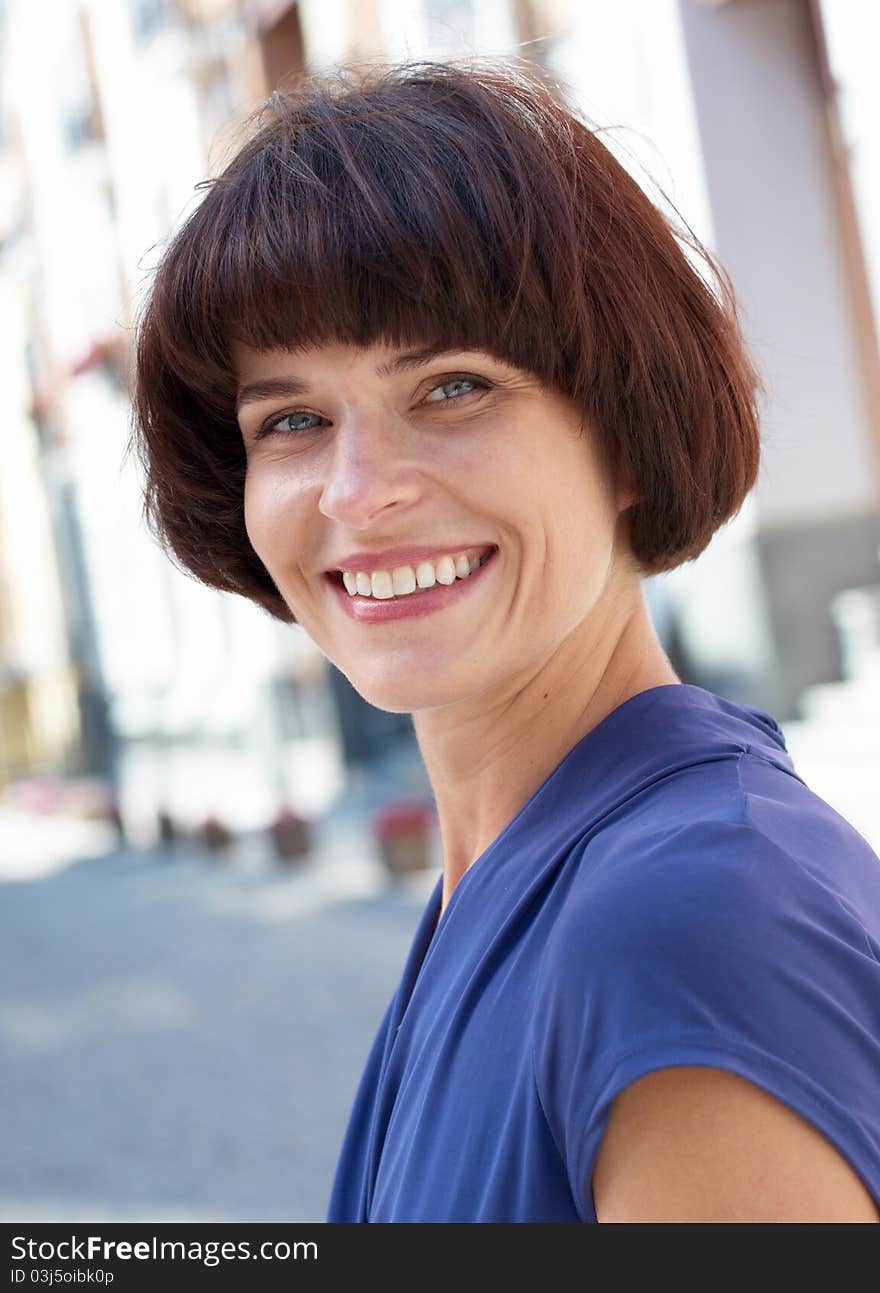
(336, 577)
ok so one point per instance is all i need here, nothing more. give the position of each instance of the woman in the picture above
(427, 374)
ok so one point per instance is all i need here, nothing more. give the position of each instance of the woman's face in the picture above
(351, 453)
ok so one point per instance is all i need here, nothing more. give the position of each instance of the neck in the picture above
(487, 755)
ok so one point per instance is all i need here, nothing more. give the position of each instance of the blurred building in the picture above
(786, 224)
(155, 666)
(732, 122)
(39, 724)
(111, 660)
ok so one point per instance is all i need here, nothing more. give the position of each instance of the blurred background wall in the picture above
(750, 116)
(177, 705)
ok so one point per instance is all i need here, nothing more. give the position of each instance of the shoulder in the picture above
(670, 885)
(710, 929)
(708, 863)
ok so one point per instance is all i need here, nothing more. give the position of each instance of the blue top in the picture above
(673, 893)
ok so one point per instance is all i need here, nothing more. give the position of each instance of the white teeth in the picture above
(382, 585)
(445, 571)
(403, 580)
(425, 576)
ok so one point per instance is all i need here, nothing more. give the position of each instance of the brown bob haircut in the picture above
(460, 204)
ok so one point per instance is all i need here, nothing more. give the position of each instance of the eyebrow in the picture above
(284, 387)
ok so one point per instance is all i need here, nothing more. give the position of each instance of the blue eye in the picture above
(452, 381)
(278, 423)
(293, 423)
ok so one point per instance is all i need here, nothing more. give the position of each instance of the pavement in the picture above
(182, 1032)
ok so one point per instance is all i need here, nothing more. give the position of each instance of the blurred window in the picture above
(147, 17)
(78, 119)
(217, 98)
(81, 122)
(541, 25)
(450, 24)
(281, 46)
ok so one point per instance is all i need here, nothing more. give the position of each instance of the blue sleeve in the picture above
(709, 945)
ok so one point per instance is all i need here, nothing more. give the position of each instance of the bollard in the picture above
(291, 836)
(402, 829)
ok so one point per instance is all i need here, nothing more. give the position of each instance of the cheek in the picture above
(273, 515)
(579, 518)
(254, 511)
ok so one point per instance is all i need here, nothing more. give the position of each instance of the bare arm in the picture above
(703, 1144)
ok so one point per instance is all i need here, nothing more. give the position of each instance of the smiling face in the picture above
(351, 453)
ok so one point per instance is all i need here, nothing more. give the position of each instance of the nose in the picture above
(370, 471)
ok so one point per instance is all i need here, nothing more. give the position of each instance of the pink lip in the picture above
(369, 610)
(393, 557)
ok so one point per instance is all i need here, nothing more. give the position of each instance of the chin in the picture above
(405, 696)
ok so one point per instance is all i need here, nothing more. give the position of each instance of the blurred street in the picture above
(181, 1032)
